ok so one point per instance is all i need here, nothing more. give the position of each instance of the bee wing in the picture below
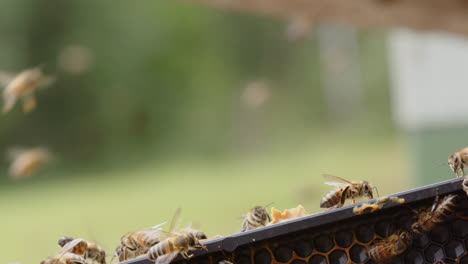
(175, 219)
(334, 180)
(194, 225)
(167, 258)
(70, 247)
(5, 78)
(14, 152)
(159, 225)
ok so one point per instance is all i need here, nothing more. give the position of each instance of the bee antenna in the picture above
(270, 204)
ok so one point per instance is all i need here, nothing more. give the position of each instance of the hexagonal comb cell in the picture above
(242, 259)
(460, 228)
(422, 241)
(344, 238)
(298, 262)
(358, 254)
(440, 234)
(323, 243)
(338, 257)
(303, 248)
(454, 249)
(364, 233)
(433, 253)
(318, 259)
(262, 257)
(283, 254)
(414, 256)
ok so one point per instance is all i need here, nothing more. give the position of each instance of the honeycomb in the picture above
(347, 242)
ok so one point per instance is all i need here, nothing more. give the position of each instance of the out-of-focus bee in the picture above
(23, 86)
(458, 160)
(298, 28)
(66, 258)
(440, 211)
(137, 243)
(25, 162)
(94, 252)
(346, 190)
(255, 218)
(165, 251)
(383, 251)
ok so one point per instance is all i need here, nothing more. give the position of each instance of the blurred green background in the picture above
(158, 119)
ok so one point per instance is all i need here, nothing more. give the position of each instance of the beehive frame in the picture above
(340, 237)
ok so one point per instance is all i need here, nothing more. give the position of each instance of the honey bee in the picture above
(23, 86)
(383, 251)
(198, 234)
(25, 162)
(165, 251)
(458, 160)
(345, 190)
(137, 243)
(71, 253)
(255, 218)
(440, 211)
(94, 252)
(66, 258)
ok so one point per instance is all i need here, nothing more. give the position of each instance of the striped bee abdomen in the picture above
(332, 198)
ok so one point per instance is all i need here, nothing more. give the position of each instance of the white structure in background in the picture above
(429, 74)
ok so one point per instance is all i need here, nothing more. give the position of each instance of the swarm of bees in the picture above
(159, 245)
(383, 251)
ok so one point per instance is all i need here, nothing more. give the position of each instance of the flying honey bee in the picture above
(66, 258)
(23, 86)
(138, 242)
(383, 251)
(165, 251)
(255, 218)
(94, 252)
(458, 160)
(439, 212)
(25, 162)
(345, 190)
